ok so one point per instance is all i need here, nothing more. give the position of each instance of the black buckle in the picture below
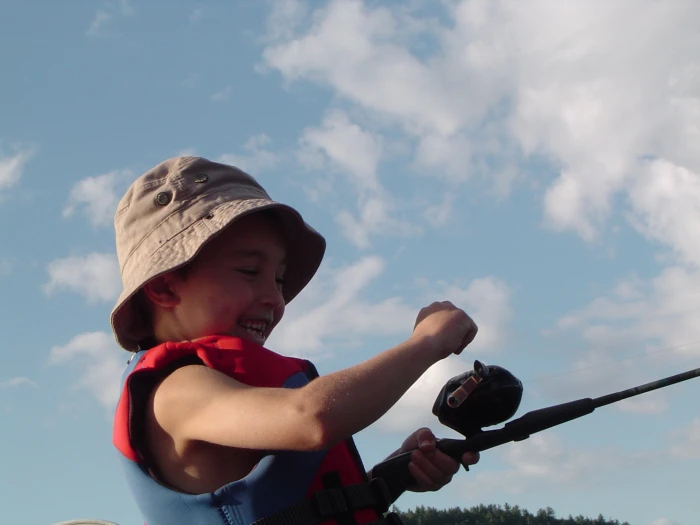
(330, 502)
(381, 492)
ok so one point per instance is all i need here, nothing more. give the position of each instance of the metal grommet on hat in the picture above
(201, 177)
(163, 198)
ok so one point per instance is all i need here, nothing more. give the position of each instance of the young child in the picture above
(212, 427)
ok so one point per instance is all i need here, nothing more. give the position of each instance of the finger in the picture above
(426, 440)
(471, 333)
(423, 481)
(470, 458)
(438, 466)
(468, 338)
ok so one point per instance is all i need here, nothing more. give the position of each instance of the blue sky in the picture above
(534, 162)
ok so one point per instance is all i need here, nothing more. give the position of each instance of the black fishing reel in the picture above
(485, 396)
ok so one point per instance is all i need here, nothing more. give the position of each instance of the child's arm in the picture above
(198, 404)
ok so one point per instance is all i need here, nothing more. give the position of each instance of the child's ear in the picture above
(161, 290)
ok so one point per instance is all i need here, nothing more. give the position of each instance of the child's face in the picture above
(234, 286)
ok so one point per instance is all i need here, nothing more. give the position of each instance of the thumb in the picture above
(425, 439)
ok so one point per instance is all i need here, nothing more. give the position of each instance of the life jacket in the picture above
(284, 488)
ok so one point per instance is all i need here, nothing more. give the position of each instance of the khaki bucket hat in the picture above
(168, 215)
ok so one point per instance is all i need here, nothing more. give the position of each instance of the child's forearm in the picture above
(347, 401)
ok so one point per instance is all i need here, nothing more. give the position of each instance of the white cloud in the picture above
(95, 276)
(110, 10)
(350, 48)
(257, 159)
(440, 214)
(543, 461)
(332, 312)
(15, 382)
(97, 197)
(656, 315)
(642, 330)
(666, 203)
(414, 409)
(685, 443)
(644, 405)
(340, 145)
(374, 217)
(347, 146)
(447, 157)
(284, 17)
(12, 166)
(664, 521)
(487, 301)
(222, 95)
(100, 361)
(97, 26)
(511, 80)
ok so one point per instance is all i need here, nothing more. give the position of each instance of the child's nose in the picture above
(272, 294)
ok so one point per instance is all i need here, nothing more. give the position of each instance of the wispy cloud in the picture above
(665, 201)
(339, 145)
(477, 102)
(487, 300)
(333, 313)
(94, 276)
(97, 197)
(222, 95)
(544, 461)
(651, 405)
(258, 157)
(100, 362)
(664, 521)
(101, 23)
(12, 167)
(15, 382)
(659, 314)
(685, 443)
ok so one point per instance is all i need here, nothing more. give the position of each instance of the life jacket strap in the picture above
(329, 504)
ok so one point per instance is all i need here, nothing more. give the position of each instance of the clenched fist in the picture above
(445, 328)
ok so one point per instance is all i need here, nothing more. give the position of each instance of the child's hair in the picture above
(172, 211)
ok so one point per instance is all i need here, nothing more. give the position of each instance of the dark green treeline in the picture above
(494, 515)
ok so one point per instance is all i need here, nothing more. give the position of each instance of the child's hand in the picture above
(447, 328)
(431, 468)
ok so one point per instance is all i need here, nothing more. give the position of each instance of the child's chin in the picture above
(251, 338)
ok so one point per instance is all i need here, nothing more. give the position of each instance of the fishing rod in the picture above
(489, 395)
